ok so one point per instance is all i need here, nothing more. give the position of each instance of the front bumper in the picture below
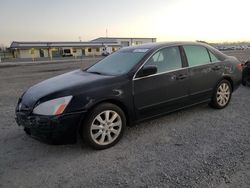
(60, 129)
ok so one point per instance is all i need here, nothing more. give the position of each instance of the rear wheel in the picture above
(222, 95)
(104, 126)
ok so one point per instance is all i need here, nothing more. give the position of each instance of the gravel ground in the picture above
(196, 147)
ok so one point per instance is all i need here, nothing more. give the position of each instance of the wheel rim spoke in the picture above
(114, 116)
(97, 134)
(109, 137)
(114, 131)
(107, 115)
(102, 138)
(96, 127)
(116, 124)
(99, 118)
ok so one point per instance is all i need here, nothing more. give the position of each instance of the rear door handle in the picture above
(181, 77)
(217, 67)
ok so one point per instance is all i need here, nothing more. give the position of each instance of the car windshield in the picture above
(118, 63)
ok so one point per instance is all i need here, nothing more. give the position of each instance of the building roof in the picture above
(98, 42)
(28, 45)
(114, 39)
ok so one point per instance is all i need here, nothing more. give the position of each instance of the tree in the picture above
(2, 48)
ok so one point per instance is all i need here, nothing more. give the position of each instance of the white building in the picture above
(58, 49)
(124, 41)
(95, 47)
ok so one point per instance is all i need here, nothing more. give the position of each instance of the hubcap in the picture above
(106, 127)
(223, 94)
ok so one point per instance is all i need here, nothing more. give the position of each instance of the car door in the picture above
(204, 71)
(164, 91)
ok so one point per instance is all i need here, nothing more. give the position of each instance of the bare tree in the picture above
(2, 47)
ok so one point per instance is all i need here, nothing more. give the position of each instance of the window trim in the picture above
(182, 63)
(210, 63)
(209, 53)
(197, 65)
(185, 64)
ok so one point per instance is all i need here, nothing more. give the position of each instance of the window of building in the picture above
(124, 43)
(97, 49)
(113, 49)
(196, 55)
(74, 50)
(138, 42)
(89, 49)
(166, 59)
(67, 51)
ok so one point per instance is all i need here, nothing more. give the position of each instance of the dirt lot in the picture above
(196, 147)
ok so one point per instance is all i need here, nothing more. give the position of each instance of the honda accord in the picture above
(129, 86)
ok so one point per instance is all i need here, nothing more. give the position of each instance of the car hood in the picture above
(62, 85)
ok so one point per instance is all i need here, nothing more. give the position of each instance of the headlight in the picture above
(52, 107)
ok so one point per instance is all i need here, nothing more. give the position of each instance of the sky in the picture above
(167, 20)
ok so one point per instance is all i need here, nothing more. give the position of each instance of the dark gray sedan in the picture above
(131, 85)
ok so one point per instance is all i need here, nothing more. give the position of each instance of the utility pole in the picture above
(106, 33)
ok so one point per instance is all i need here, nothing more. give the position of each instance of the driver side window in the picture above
(166, 59)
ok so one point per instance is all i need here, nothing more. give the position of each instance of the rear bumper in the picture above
(237, 84)
(52, 129)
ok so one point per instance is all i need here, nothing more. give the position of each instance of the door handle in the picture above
(217, 67)
(181, 77)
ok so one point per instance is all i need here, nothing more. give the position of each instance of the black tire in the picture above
(27, 131)
(214, 102)
(244, 81)
(244, 77)
(87, 132)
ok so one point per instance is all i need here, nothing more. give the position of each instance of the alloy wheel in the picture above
(106, 127)
(223, 94)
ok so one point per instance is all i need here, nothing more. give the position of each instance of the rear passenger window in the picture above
(213, 58)
(166, 59)
(196, 55)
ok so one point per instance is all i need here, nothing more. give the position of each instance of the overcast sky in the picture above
(167, 20)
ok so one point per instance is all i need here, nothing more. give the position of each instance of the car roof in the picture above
(161, 44)
(157, 45)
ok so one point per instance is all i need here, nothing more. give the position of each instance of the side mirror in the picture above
(147, 70)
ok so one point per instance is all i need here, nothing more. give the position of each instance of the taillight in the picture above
(239, 66)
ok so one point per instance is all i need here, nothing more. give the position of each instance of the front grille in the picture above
(42, 122)
(23, 119)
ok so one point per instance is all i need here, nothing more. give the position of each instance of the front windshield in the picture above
(118, 63)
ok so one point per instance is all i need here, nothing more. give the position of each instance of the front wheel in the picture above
(104, 126)
(222, 95)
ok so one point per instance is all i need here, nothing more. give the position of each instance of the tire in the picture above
(104, 126)
(244, 77)
(27, 131)
(222, 95)
(244, 81)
